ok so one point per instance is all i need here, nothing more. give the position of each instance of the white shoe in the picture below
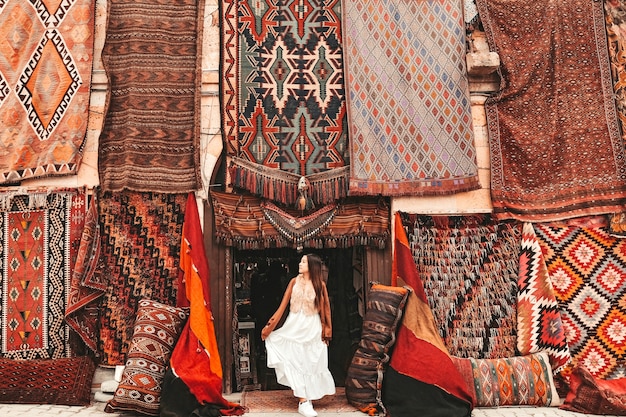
(306, 409)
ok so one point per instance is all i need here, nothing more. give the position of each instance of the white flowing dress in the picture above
(296, 351)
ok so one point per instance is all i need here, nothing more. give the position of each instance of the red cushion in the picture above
(591, 395)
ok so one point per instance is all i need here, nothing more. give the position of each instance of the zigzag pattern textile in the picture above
(283, 104)
(469, 267)
(555, 144)
(409, 115)
(39, 240)
(150, 141)
(140, 247)
(539, 324)
(587, 268)
(46, 57)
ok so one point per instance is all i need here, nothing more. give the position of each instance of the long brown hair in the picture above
(315, 274)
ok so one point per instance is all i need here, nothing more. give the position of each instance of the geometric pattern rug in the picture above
(283, 98)
(140, 251)
(283, 401)
(587, 268)
(39, 240)
(539, 324)
(46, 53)
(556, 149)
(408, 105)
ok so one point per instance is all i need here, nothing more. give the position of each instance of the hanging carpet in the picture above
(46, 58)
(87, 284)
(151, 136)
(615, 16)
(283, 104)
(408, 105)
(555, 145)
(140, 247)
(587, 268)
(539, 324)
(40, 235)
(469, 268)
(250, 223)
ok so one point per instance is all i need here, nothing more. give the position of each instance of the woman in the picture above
(298, 351)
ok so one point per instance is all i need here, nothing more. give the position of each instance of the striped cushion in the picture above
(364, 378)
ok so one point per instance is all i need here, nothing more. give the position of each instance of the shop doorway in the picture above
(260, 278)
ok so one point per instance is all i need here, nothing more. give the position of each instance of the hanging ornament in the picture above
(303, 202)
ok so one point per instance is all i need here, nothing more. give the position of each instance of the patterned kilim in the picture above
(409, 115)
(249, 224)
(39, 239)
(587, 269)
(539, 324)
(283, 401)
(46, 56)
(151, 135)
(86, 285)
(283, 104)
(556, 150)
(140, 248)
(469, 267)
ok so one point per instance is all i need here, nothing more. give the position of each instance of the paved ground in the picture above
(96, 409)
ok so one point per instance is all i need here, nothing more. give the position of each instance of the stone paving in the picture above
(97, 410)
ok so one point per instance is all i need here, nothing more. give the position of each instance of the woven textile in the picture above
(250, 223)
(283, 401)
(156, 330)
(518, 380)
(595, 396)
(422, 379)
(409, 115)
(63, 381)
(151, 136)
(364, 379)
(539, 324)
(615, 14)
(86, 285)
(283, 104)
(140, 247)
(40, 235)
(587, 268)
(555, 144)
(469, 267)
(46, 57)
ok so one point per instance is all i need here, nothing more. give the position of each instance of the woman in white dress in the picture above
(298, 351)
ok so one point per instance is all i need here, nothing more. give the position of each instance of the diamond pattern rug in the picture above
(46, 57)
(409, 115)
(39, 240)
(587, 268)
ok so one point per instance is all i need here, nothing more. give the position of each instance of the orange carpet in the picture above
(284, 401)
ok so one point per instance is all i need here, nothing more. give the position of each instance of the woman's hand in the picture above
(265, 331)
